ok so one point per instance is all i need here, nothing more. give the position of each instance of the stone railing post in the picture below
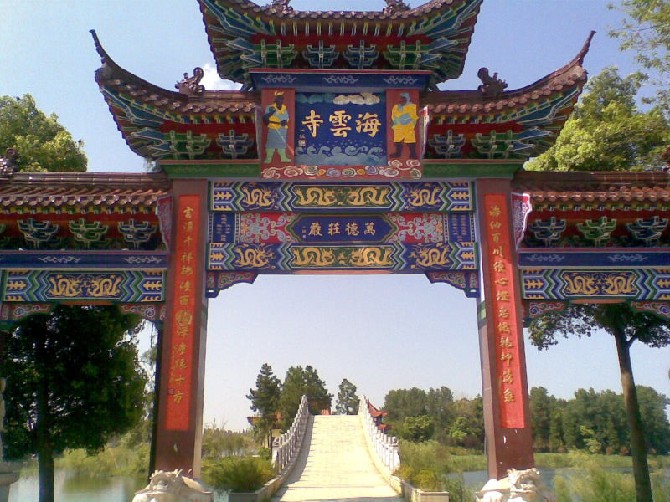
(384, 447)
(286, 448)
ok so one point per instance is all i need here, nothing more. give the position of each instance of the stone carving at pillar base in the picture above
(173, 487)
(519, 486)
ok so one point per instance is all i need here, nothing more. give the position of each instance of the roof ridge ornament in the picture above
(191, 85)
(281, 6)
(8, 164)
(395, 7)
(491, 86)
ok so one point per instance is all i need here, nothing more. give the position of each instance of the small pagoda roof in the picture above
(434, 36)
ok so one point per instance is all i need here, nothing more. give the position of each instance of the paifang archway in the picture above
(337, 155)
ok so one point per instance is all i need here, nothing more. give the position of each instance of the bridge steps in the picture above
(334, 464)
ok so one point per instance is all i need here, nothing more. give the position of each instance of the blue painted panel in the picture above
(222, 227)
(624, 258)
(341, 229)
(72, 260)
(340, 129)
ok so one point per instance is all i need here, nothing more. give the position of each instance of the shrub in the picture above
(238, 474)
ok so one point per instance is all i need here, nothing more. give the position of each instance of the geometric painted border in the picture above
(369, 197)
(631, 284)
(133, 286)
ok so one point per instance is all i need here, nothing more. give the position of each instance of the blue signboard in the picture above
(340, 129)
(341, 229)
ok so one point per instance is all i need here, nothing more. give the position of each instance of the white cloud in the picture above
(212, 82)
(364, 98)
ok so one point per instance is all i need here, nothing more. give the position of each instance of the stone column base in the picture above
(519, 486)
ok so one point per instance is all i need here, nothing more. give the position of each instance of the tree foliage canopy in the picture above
(586, 320)
(41, 142)
(74, 379)
(646, 31)
(607, 132)
(347, 400)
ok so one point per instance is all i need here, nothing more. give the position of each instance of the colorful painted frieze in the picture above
(370, 197)
(132, 286)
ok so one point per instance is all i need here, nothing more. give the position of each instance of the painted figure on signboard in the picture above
(403, 122)
(276, 119)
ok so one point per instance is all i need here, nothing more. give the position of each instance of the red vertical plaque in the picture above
(185, 301)
(506, 325)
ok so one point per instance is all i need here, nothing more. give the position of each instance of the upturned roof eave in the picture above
(273, 16)
(272, 13)
(570, 75)
(111, 74)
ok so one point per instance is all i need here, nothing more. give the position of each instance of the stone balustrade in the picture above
(383, 446)
(286, 448)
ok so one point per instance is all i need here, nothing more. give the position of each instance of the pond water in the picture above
(72, 488)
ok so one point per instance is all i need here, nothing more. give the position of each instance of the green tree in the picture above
(541, 409)
(626, 325)
(417, 429)
(401, 403)
(107, 372)
(265, 401)
(74, 382)
(607, 132)
(347, 400)
(301, 381)
(467, 428)
(439, 406)
(656, 425)
(646, 30)
(41, 142)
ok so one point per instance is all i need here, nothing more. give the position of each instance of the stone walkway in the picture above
(334, 464)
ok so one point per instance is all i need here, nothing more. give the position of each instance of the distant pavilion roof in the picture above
(434, 36)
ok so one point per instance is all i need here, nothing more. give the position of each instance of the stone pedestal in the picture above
(8, 475)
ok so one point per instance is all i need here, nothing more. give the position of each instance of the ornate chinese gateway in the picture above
(338, 154)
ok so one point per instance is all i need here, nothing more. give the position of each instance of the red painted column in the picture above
(509, 437)
(178, 434)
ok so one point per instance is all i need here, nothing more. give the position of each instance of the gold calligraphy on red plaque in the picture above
(505, 322)
(184, 305)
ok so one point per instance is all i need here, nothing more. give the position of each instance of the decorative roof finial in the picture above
(492, 86)
(7, 165)
(281, 6)
(191, 85)
(395, 7)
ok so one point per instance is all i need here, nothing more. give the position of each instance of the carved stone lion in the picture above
(173, 487)
(519, 486)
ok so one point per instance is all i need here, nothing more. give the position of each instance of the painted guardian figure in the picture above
(403, 122)
(276, 119)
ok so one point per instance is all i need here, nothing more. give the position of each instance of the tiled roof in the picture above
(57, 190)
(114, 78)
(434, 36)
(592, 187)
(274, 12)
(472, 102)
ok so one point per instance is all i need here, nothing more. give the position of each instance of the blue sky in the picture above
(381, 332)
